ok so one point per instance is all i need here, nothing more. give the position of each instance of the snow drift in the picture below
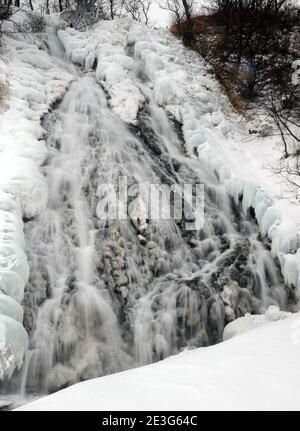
(258, 370)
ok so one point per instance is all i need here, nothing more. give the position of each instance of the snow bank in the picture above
(252, 321)
(258, 370)
(103, 49)
(34, 84)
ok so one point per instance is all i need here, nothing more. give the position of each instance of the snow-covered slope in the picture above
(33, 84)
(258, 370)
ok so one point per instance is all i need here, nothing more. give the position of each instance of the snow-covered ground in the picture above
(258, 370)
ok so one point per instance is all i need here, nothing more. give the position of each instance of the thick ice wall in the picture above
(33, 83)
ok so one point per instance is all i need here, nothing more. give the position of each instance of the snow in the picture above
(296, 74)
(33, 83)
(257, 370)
(103, 48)
(125, 100)
(250, 321)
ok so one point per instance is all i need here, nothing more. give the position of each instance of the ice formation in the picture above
(296, 74)
(182, 85)
(103, 49)
(33, 84)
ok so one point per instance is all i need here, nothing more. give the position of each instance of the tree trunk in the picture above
(112, 15)
(188, 33)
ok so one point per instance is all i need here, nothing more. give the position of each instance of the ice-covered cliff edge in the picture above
(33, 83)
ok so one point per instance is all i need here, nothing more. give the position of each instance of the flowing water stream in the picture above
(108, 295)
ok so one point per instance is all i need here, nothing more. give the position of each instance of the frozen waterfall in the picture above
(108, 295)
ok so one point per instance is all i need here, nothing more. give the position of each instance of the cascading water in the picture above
(76, 321)
(107, 295)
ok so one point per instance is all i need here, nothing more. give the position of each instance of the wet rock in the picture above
(124, 291)
(142, 239)
(60, 377)
(229, 314)
(151, 245)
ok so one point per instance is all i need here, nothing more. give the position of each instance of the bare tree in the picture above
(89, 11)
(182, 15)
(283, 106)
(138, 9)
(176, 9)
(145, 8)
(288, 171)
(188, 35)
(112, 8)
(5, 13)
(5, 10)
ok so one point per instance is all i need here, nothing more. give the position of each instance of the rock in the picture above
(107, 254)
(60, 376)
(124, 291)
(121, 280)
(151, 245)
(142, 228)
(118, 263)
(142, 239)
(171, 276)
(229, 313)
(153, 252)
(273, 313)
(194, 242)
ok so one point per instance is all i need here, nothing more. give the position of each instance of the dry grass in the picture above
(219, 48)
(203, 24)
(209, 44)
(228, 80)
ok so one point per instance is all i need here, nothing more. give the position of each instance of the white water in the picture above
(99, 299)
